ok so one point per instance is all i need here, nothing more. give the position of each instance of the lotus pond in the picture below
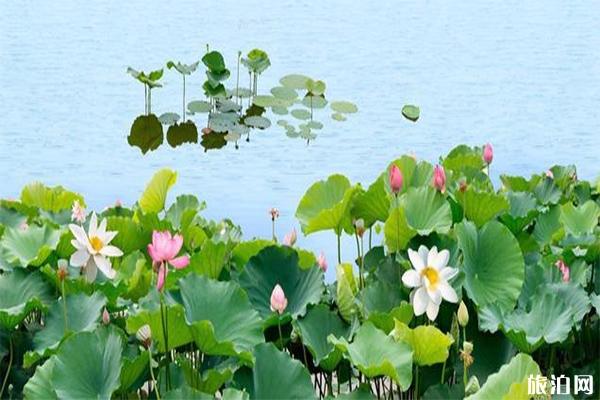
(455, 289)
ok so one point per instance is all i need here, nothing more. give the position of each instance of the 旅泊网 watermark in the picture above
(561, 384)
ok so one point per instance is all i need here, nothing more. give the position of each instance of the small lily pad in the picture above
(314, 125)
(344, 107)
(283, 92)
(279, 110)
(311, 101)
(169, 118)
(411, 112)
(258, 122)
(228, 105)
(338, 117)
(199, 106)
(300, 114)
(294, 81)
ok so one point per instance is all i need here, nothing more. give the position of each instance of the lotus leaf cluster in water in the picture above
(457, 288)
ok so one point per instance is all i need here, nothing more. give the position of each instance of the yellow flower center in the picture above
(96, 243)
(432, 275)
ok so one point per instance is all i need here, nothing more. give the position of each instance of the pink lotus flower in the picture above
(439, 178)
(488, 153)
(322, 261)
(77, 212)
(105, 317)
(163, 250)
(290, 238)
(395, 179)
(278, 300)
(564, 270)
(549, 174)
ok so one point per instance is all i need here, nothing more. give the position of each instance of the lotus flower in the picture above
(439, 178)
(93, 249)
(144, 335)
(488, 153)
(290, 238)
(105, 317)
(550, 174)
(395, 179)
(77, 212)
(278, 300)
(430, 279)
(163, 250)
(322, 261)
(274, 213)
(564, 270)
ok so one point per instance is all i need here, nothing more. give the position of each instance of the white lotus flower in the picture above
(430, 278)
(93, 249)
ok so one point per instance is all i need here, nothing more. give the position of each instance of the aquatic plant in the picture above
(516, 265)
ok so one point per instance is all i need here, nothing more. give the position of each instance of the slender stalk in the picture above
(149, 100)
(237, 83)
(10, 361)
(416, 382)
(145, 99)
(370, 237)
(329, 383)
(164, 323)
(443, 372)
(152, 376)
(273, 229)
(280, 335)
(183, 106)
(339, 247)
(64, 303)
(360, 271)
(397, 229)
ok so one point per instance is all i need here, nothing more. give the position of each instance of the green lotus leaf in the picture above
(212, 87)
(595, 301)
(315, 88)
(210, 260)
(414, 174)
(294, 81)
(277, 376)
(279, 110)
(487, 251)
(388, 357)
(510, 382)
(82, 314)
(429, 344)
(547, 192)
(169, 118)
(11, 218)
(88, 365)
(30, 246)
(243, 251)
(463, 157)
(186, 392)
(216, 372)
(547, 225)
(517, 183)
(373, 204)
(130, 237)
(199, 106)
(40, 385)
(411, 112)
(134, 370)
(426, 210)
(226, 106)
(481, 207)
(580, 220)
(266, 101)
(338, 117)
(279, 265)
(396, 230)
(318, 323)
(221, 317)
(154, 196)
(146, 133)
(182, 213)
(386, 320)
(300, 113)
(184, 69)
(344, 107)
(325, 205)
(52, 199)
(22, 292)
(214, 61)
(257, 61)
(346, 291)
(284, 93)
(234, 394)
(257, 122)
(185, 132)
(380, 296)
(314, 125)
(312, 101)
(522, 211)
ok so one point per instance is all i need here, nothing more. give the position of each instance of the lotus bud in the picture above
(77, 212)
(274, 213)
(488, 153)
(472, 386)
(395, 179)
(564, 270)
(105, 317)
(549, 174)
(439, 178)
(24, 226)
(278, 300)
(144, 335)
(359, 225)
(118, 203)
(463, 314)
(322, 261)
(62, 270)
(290, 238)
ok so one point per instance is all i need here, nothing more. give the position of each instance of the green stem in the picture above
(329, 384)
(416, 382)
(360, 273)
(551, 362)
(279, 329)
(273, 229)
(10, 361)
(397, 230)
(152, 375)
(64, 302)
(164, 323)
(370, 237)
(339, 247)
(145, 99)
(183, 108)
(443, 372)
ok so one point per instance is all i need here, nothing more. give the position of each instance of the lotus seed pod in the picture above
(463, 314)
(468, 347)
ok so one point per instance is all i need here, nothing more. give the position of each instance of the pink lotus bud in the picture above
(105, 317)
(395, 179)
(564, 270)
(274, 213)
(24, 226)
(77, 212)
(322, 261)
(118, 203)
(278, 300)
(439, 178)
(488, 153)
(206, 131)
(549, 174)
(290, 238)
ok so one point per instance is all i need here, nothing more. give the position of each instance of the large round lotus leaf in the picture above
(300, 113)
(134, 370)
(294, 81)
(429, 344)
(83, 313)
(480, 207)
(547, 192)
(214, 61)
(522, 211)
(226, 106)
(547, 224)
(580, 220)
(11, 218)
(213, 141)
(318, 323)
(234, 394)
(146, 133)
(411, 112)
(210, 260)
(221, 317)
(186, 392)
(199, 106)
(88, 365)
(414, 174)
(284, 93)
(426, 210)
(279, 265)
(258, 122)
(40, 386)
(373, 204)
(344, 107)
(463, 157)
(52, 199)
(186, 132)
(375, 354)
(486, 253)
(346, 289)
(338, 117)
(243, 251)
(510, 382)
(29, 246)
(316, 88)
(396, 230)
(265, 101)
(184, 210)
(325, 205)
(130, 237)
(154, 196)
(22, 292)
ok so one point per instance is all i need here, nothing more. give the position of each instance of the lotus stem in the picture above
(273, 229)
(339, 248)
(417, 382)
(10, 361)
(152, 376)
(237, 84)
(443, 372)
(183, 108)
(145, 99)
(165, 328)
(64, 303)
(370, 237)
(280, 335)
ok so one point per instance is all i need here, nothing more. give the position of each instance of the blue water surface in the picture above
(524, 76)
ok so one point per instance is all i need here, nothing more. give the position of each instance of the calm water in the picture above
(522, 75)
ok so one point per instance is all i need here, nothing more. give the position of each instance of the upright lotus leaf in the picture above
(146, 133)
(487, 252)
(214, 61)
(414, 174)
(547, 192)
(256, 61)
(21, 293)
(384, 303)
(510, 382)
(279, 265)
(396, 230)
(426, 210)
(346, 289)
(30, 246)
(154, 197)
(134, 370)
(547, 225)
(580, 220)
(88, 365)
(315, 327)
(595, 301)
(130, 235)
(243, 251)
(463, 157)
(216, 371)
(221, 317)
(40, 386)
(82, 313)
(184, 210)
(522, 211)
(325, 205)
(373, 204)
(375, 354)
(52, 199)
(481, 206)
(517, 183)
(211, 259)
(184, 69)
(186, 392)
(11, 218)
(234, 394)
(429, 344)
